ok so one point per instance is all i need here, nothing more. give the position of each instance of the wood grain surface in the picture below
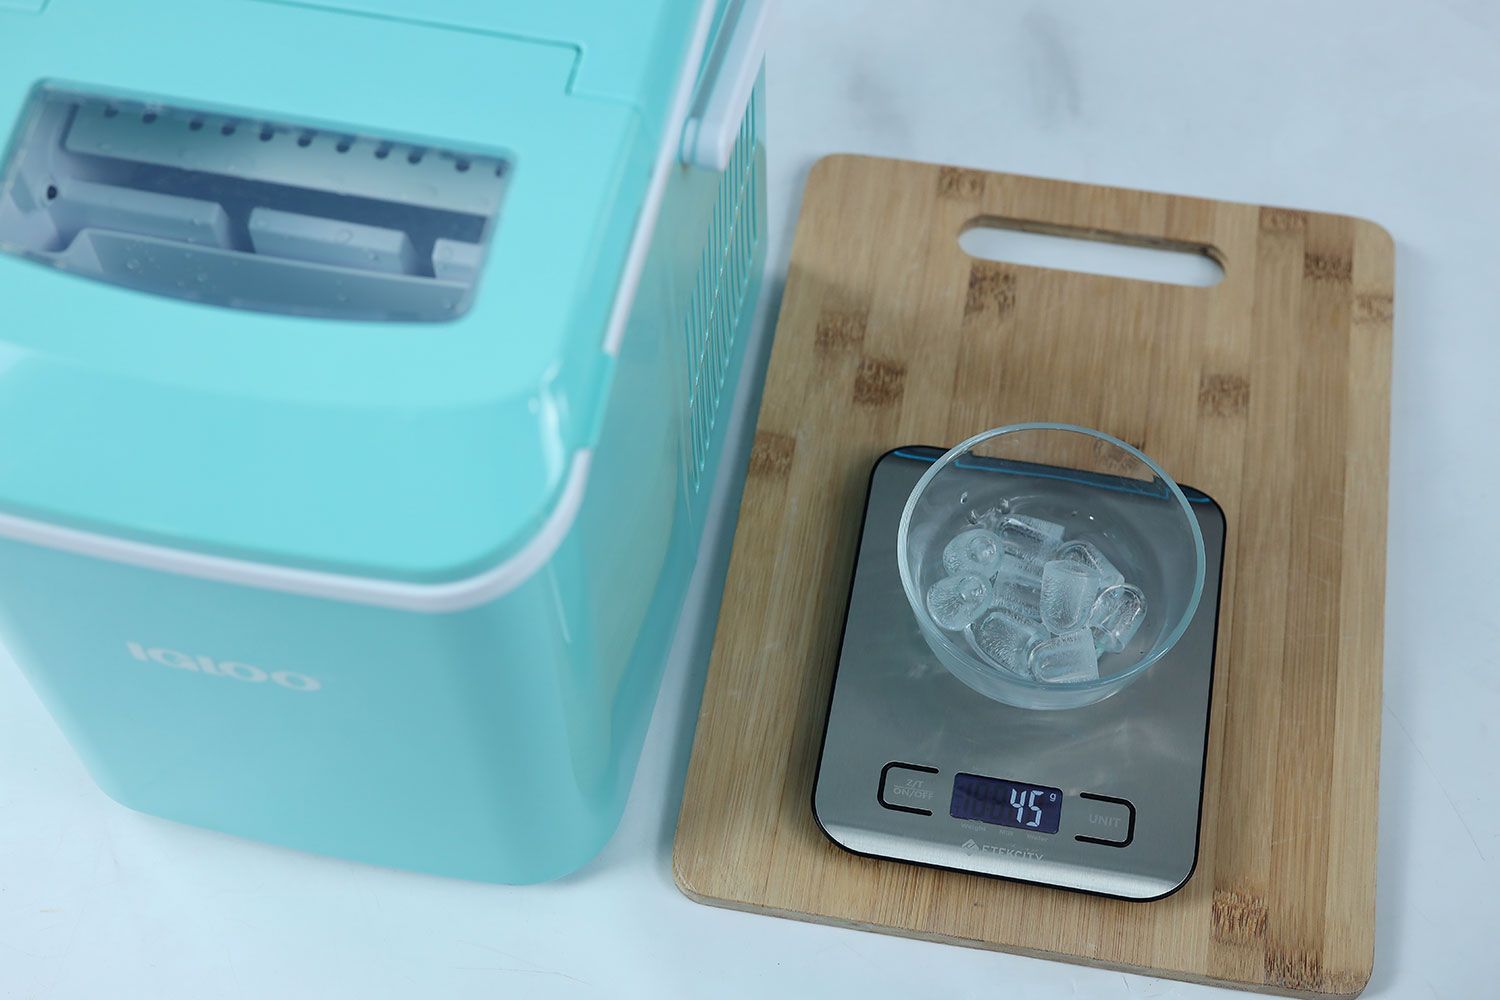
(1270, 391)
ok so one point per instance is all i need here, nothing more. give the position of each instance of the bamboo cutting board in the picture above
(1270, 391)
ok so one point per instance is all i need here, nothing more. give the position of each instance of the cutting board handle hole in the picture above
(1088, 251)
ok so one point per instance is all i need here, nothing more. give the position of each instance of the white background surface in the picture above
(1389, 110)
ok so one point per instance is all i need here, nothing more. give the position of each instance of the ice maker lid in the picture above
(619, 44)
(407, 447)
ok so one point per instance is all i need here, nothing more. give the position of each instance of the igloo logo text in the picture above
(231, 669)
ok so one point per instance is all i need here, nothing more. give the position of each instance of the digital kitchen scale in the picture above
(918, 767)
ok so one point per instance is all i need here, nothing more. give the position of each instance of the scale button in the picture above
(1107, 820)
(908, 788)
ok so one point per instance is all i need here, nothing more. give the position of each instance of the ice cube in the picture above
(1068, 592)
(1066, 658)
(1088, 554)
(955, 601)
(1013, 567)
(1005, 639)
(992, 518)
(1116, 616)
(1027, 571)
(1030, 539)
(973, 551)
(1018, 596)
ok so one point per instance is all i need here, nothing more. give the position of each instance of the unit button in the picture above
(1107, 821)
(908, 788)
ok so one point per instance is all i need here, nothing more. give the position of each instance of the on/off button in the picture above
(909, 788)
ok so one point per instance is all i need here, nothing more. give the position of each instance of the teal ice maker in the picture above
(363, 376)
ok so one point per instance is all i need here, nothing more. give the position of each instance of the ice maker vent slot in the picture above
(720, 291)
(249, 213)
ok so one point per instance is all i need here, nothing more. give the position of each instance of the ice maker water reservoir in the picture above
(247, 212)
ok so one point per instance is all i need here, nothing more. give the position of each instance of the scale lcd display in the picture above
(1006, 803)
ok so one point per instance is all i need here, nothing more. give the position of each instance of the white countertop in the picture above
(1378, 108)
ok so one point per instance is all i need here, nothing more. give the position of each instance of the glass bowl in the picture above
(1039, 490)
